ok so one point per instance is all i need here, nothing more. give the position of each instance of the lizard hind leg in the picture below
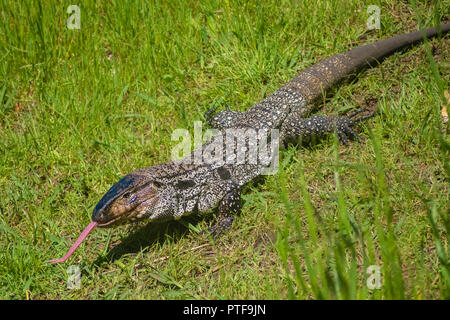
(294, 126)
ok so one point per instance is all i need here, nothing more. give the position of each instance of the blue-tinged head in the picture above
(134, 197)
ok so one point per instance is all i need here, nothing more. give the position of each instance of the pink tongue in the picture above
(80, 239)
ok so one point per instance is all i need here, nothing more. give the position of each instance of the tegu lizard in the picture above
(212, 176)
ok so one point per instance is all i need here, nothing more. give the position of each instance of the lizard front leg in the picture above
(228, 207)
(294, 126)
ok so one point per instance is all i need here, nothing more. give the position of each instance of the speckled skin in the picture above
(174, 189)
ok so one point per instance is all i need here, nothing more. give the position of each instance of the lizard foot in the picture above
(343, 125)
(223, 119)
(219, 228)
(209, 114)
(229, 205)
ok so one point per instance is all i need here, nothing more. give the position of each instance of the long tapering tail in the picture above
(314, 81)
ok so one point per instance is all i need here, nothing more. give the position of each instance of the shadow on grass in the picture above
(143, 238)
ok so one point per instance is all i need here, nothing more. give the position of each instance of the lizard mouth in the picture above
(113, 222)
(113, 215)
(111, 219)
(106, 224)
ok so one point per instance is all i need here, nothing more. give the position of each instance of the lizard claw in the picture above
(220, 227)
(220, 119)
(367, 116)
(356, 112)
(209, 114)
(209, 232)
(344, 130)
(344, 125)
(342, 138)
(349, 132)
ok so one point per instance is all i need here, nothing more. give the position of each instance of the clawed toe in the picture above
(212, 232)
(349, 132)
(356, 112)
(342, 138)
(363, 118)
(209, 114)
(344, 124)
(220, 227)
(209, 232)
(344, 130)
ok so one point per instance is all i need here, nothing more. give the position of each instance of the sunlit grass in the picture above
(81, 108)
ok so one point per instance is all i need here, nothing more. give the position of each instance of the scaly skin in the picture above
(177, 188)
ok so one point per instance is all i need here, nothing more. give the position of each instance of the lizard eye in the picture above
(126, 195)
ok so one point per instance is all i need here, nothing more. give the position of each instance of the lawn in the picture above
(80, 108)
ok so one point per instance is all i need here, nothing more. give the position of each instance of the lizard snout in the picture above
(129, 199)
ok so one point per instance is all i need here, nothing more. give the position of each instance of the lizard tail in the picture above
(375, 52)
(317, 79)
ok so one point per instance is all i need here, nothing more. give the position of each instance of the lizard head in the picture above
(134, 197)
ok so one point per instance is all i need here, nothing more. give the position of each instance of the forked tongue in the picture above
(80, 239)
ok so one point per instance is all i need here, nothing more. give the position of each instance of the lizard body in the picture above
(173, 189)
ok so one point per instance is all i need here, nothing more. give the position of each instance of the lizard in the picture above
(212, 176)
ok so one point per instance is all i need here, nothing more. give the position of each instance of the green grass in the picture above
(81, 108)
